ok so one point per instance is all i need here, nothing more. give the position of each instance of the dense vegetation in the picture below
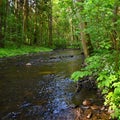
(35, 22)
(93, 25)
(99, 23)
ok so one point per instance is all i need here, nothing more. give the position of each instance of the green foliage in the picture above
(64, 24)
(102, 67)
(93, 65)
(104, 31)
(108, 81)
(80, 74)
(93, 13)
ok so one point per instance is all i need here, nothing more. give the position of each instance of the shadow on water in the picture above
(42, 90)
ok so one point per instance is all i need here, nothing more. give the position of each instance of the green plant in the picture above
(102, 67)
(109, 82)
(92, 67)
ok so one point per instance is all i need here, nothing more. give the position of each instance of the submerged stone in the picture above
(28, 64)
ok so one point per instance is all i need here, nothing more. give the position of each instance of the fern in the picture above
(108, 80)
(80, 74)
(93, 65)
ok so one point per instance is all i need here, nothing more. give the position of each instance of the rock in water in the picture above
(86, 102)
(95, 107)
(28, 64)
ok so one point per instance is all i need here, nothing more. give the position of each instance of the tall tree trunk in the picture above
(1, 36)
(35, 30)
(25, 18)
(2, 21)
(35, 26)
(50, 23)
(89, 44)
(71, 31)
(16, 7)
(41, 33)
(114, 32)
(84, 39)
(116, 41)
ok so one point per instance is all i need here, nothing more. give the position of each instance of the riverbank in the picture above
(7, 52)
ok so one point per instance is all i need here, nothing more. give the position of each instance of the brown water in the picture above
(42, 91)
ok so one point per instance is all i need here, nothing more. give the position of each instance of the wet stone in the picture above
(25, 104)
(28, 64)
(86, 102)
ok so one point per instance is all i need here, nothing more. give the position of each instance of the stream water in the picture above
(42, 90)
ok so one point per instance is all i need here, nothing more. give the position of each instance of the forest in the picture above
(93, 26)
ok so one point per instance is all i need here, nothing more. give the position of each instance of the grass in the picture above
(6, 52)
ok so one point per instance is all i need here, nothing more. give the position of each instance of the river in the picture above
(38, 86)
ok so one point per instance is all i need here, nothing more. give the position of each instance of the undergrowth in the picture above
(6, 52)
(102, 66)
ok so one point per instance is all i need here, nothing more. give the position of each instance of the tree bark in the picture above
(115, 37)
(85, 37)
(2, 9)
(84, 40)
(50, 23)
(89, 44)
(25, 18)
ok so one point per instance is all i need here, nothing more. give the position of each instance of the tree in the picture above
(2, 21)
(50, 22)
(104, 34)
(25, 20)
(85, 37)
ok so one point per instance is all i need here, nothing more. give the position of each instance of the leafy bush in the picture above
(102, 67)
(93, 64)
(108, 81)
